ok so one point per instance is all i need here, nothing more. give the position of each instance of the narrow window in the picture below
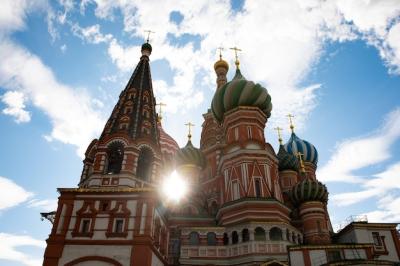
(119, 225)
(257, 187)
(245, 235)
(249, 135)
(226, 239)
(235, 237)
(194, 238)
(115, 156)
(128, 110)
(235, 190)
(259, 234)
(275, 234)
(145, 163)
(377, 239)
(236, 133)
(85, 226)
(319, 226)
(104, 206)
(211, 239)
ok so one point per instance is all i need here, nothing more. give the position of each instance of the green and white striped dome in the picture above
(240, 92)
(309, 190)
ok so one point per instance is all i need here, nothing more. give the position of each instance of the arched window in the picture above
(275, 233)
(235, 237)
(145, 163)
(245, 235)
(287, 235)
(293, 237)
(226, 239)
(259, 234)
(214, 208)
(115, 155)
(194, 238)
(298, 239)
(211, 239)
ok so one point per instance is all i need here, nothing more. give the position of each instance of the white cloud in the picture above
(12, 194)
(63, 48)
(90, 34)
(389, 210)
(75, 120)
(379, 185)
(12, 15)
(9, 244)
(15, 106)
(281, 40)
(354, 154)
(43, 205)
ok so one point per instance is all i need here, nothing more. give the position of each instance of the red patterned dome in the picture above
(167, 143)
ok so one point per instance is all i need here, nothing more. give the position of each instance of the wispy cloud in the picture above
(9, 244)
(357, 153)
(12, 194)
(43, 205)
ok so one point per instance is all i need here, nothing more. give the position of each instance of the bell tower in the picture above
(128, 153)
(114, 217)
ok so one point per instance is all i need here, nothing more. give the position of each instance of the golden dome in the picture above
(221, 63)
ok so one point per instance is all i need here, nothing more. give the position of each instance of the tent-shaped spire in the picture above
(135, 113)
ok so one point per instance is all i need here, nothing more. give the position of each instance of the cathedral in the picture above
(244, 204)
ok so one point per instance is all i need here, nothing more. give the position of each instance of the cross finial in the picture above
(189, 125)
(148, 34)
(300, 155)
(236, 55)
(291, 122)
(220, 52)
(160, 106)
(278, 129)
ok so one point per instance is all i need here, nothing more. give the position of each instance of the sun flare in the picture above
(174, 187)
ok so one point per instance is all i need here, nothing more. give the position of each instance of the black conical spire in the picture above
(135, 111)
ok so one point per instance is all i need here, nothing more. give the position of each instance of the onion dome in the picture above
(240, 92)
(286, 160)
(221, 63)
(308, 151)
(167, 143)
(309, 190)
(147, 47)
(189, 155)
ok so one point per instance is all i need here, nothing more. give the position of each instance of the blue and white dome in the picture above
(295, 145)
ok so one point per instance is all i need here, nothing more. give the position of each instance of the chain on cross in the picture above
(189, 125)
(290, 116)
(236, 55)
(148, 34)
(160, 106)
(279, 130)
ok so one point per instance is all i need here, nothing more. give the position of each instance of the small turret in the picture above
(221, 68)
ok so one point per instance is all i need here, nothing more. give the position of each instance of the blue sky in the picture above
(335, 65)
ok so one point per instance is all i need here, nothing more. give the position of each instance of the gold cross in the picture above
(279, 134)
(300, 155)
(189, 125)
(236, 55)
(291, 122)
(220, 52)
(148, 34)
(160, 104)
